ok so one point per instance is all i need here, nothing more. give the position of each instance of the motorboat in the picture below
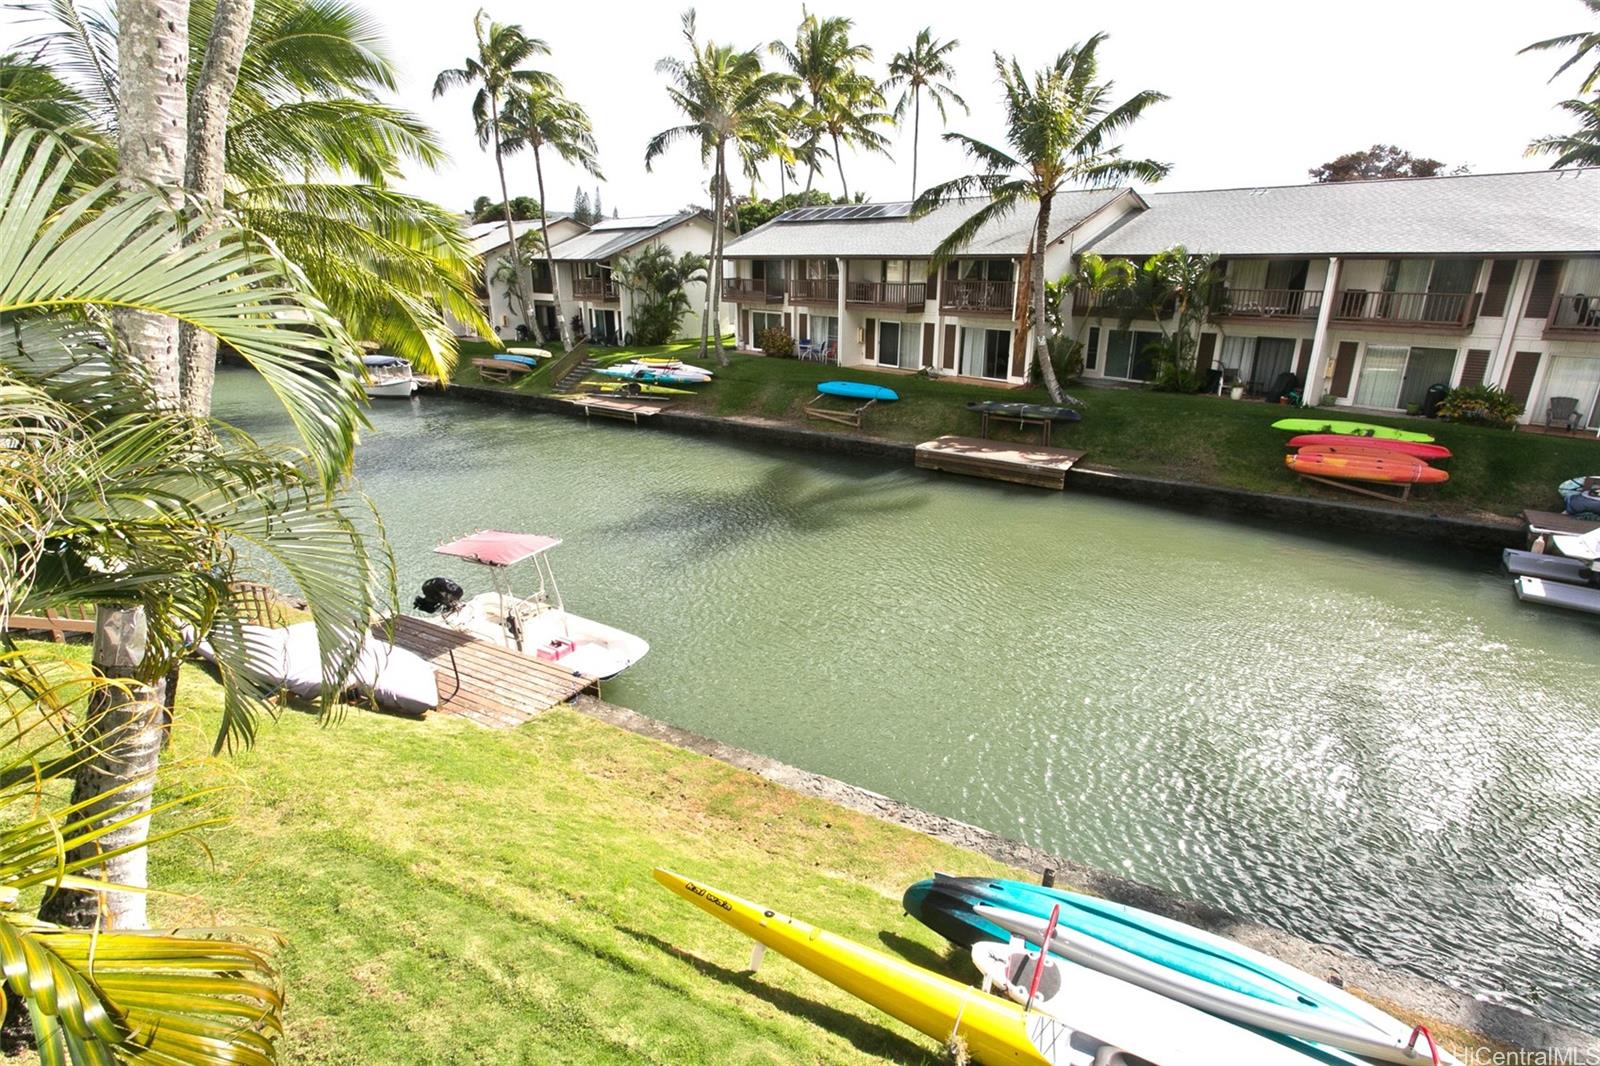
(389, 377)
(536, 623)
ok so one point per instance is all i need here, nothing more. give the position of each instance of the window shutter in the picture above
(1499, 289)
(950, 347)
(788, 323)
(1302, 362)
(1091, 358)
(744, 328)
(1204, 355)
(1520, 381)
(1542, 291)
(1476, 365)
(927, 344)
(1344, 365)
(805, 326)
(872, 337)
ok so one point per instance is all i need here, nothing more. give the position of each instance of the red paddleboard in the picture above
(1395, 469)
(1403, 447)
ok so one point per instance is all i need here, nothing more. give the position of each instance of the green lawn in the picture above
(1194, 438)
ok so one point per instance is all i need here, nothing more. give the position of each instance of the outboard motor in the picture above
(438, 594)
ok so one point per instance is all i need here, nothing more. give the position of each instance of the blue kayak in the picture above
(948, 905)
(857, 390)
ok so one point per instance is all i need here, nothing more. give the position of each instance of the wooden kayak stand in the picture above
(852, 417)
(1021, 464)
(1401, 496)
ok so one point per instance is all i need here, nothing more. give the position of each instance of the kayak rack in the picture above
(852, 417)
(1403, 495)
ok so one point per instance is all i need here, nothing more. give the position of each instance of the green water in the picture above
(1366, 743)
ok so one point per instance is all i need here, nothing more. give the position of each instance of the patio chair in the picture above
(807, 350)
(1562, 410)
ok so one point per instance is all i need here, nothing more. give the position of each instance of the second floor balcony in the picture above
(1271, 303)
(899, 295)
(753, 290)
(594, 288)
(1436, 311)
(814, 291)
(1574, 315)
(976, 296)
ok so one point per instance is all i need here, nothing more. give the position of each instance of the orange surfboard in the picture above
(1344, 466)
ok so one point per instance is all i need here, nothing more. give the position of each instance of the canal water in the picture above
(1364, 742)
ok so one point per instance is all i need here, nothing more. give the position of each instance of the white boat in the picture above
(536, 624)
(389, 377)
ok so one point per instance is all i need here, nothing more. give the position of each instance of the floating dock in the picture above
(607, 407)
(483, 682)
(1023, 464)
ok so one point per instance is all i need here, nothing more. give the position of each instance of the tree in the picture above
(1097, 282)
(1379, 161)
(1180, 291)
(658, 283)
(580, 207)
(846, 105)
(541, 117)
(1061, 127)
(924, 67)
(1581, 147)
(597, 211)
(482, 207)
(1582, 43)
(529, 255)
(727, 99)
(753, 213)
(497, 70)
(523, 209)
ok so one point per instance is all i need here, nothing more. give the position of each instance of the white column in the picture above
(844, 325)
(1319, 343)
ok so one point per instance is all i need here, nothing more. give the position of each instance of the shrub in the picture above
(1483, 404)
(776, 342)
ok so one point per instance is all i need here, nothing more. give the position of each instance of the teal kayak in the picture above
(857, 390)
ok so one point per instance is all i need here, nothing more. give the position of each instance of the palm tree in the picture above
(1580, 148)
(113, 498)
(1061, 126)
(925, 66)
(657, 281)
(846, 104)
(1097, 280)
(498, 72)
(1582, 44)
(728, 100)
(539, 117)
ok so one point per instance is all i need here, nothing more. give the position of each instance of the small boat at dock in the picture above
(389, 377)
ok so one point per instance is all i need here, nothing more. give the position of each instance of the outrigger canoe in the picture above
(1386, 469)
(1349, 429)
(1125, 1020)
(1343, 441)
(655, 375)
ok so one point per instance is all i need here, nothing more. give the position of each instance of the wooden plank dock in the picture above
(1023, 464)
(607, 407)
(497, 687)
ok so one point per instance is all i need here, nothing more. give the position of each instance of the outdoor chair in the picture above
(1563, 411)
(808, 350)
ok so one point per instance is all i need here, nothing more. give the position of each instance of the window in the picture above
(889, 353)
(985, 353)
(760, 322)
(1395, 376)
(823, 328)
(1128, 354)
(1091, 355)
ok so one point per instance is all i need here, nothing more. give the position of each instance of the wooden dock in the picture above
(487, 684)
(1023, 464)
(607, 407)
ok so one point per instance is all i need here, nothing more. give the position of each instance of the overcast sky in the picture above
(1261, 90)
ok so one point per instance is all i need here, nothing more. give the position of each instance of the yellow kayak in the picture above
(995, 1030)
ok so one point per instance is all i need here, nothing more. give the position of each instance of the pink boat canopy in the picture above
(493, 547)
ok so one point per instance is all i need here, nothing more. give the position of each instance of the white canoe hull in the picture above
(600, 651)
(398, 389)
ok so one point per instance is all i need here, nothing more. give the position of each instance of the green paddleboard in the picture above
(1349, 429)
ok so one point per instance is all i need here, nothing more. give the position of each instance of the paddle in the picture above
(1038, 970)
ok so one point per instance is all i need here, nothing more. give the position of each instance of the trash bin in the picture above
(1433, 398)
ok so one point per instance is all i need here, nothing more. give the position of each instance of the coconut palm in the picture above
(657, 280)
(846, 105)
(1583, 44)
(1097, 281)
(109, 497)
(729, 100)
(539, 117)
(310, 154)
(924, 67)
(498, 71)
(1061, 126)
(1580, 148)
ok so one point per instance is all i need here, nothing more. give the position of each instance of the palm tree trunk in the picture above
(152, 129)
(562, 324)
(208, 139)
(123, 730)
(838, 159)
(1040, 320)
(916, 134)
(511, 229)
(715, 280)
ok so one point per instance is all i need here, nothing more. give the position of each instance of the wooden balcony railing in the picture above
(594, 288)
(1433, 310)
(976, 295)
(1272, 303)
(909, 296)
(753, 290)
(1574, 315)
(814, 290)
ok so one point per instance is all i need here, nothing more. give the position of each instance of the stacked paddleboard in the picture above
(1570, 579)
(647, 378)
(1355, 451)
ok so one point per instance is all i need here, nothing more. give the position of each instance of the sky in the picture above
(1260, 90)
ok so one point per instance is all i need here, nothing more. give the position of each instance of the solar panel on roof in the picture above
(845, 212)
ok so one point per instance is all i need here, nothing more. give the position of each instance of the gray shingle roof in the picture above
(487, 236)
(614, 235)
(914, 238)
(1525, 213)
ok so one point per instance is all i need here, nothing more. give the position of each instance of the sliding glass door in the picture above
(985, 353)
(1577, 379)
(889, 343)
(1382, 369)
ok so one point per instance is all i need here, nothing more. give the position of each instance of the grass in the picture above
(1201, 439)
